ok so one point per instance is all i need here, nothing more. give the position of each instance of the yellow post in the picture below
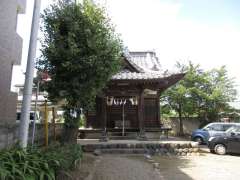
(54, 123)
(46, 124)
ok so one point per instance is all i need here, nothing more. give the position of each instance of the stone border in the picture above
(178, 149)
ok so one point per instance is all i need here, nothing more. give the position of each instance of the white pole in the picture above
(27, 93)
(35, 113)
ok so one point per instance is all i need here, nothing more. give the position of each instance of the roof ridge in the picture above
(128, 58)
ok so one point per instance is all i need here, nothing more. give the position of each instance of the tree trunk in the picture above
(70, 135)
(180, 121)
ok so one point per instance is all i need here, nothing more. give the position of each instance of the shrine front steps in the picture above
(114, 137)
(120, 136)
(179, 149)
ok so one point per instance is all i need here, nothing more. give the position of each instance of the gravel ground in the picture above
(119, 167)
(82, 172)
(205, 167)
(136, 167)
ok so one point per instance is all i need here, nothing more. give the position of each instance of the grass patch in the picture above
(38, 163)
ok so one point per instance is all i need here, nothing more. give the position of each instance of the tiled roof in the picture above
(129, 59)
(147, 65)
(146, 61)
(126, 75)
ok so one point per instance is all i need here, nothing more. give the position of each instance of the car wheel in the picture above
(220, 149)
(199, 140)
(212, 151)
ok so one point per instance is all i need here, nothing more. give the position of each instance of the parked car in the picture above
(227, 143)
(213, 129)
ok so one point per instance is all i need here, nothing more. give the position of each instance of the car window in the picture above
(231, 129)
(217, 127)
(226, 126)
(237, 130)
(208, 127)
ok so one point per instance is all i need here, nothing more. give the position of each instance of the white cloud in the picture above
(152, 24)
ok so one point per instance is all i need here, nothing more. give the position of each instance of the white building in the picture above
(10, 54)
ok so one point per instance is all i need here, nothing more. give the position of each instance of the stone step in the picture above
(120, 151)
(188, 147)
(147, 152)
(122, 137)
(118, 135)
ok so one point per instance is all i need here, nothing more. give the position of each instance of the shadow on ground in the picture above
(172, 167)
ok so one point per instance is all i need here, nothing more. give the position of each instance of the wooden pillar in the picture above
(141, 115)
(104, 120)
(104, 114)
(158, 108)
(87, 119)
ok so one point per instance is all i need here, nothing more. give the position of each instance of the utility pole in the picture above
(35, 113)
(27, 93)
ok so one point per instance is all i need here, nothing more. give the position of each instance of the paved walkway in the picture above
(117, 167)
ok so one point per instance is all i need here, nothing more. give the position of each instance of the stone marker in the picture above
(97, 152)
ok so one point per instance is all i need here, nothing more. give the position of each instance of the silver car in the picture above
(211, 130)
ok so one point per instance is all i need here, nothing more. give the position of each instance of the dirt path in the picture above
(117, 167)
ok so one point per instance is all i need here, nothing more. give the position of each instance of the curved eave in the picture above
(159, 83)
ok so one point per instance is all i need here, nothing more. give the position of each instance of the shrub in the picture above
(38, 164)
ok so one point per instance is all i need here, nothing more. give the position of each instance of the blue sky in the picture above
(211, 12)
(206, 32)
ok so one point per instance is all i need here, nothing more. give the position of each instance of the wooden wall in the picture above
(150, 113)
(114, 115)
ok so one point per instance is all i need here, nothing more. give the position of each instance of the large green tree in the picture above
(80, 53)
(203, 94)
(219, 91)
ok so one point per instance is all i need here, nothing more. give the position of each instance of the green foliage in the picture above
(80, 52)
(204, 94)
(36, 164)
